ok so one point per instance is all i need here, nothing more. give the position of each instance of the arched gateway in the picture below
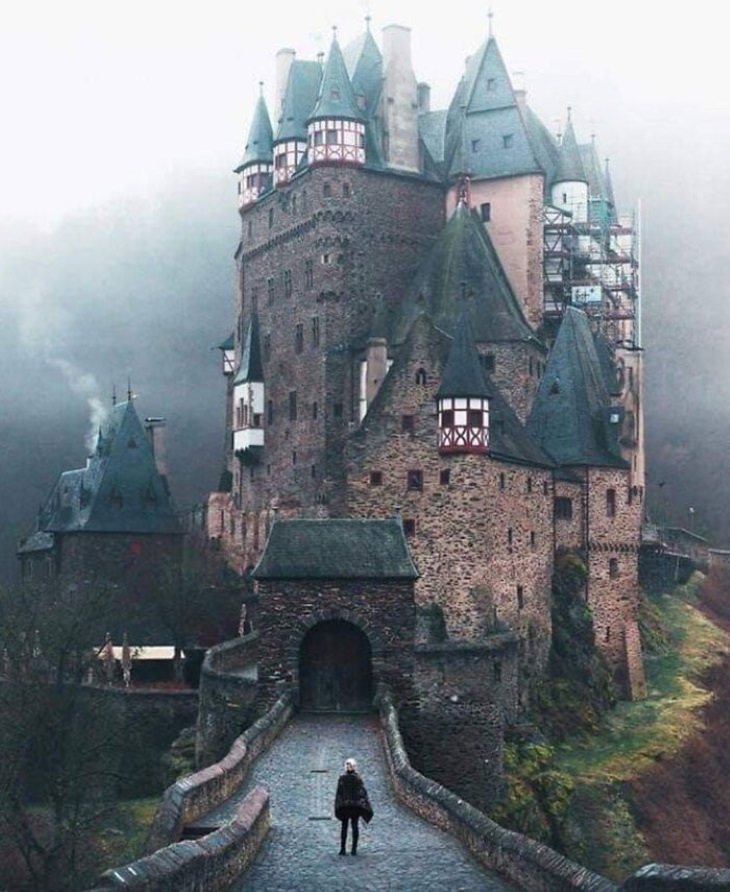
(335, 668)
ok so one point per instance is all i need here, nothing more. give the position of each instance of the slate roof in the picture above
(570, 163)
(336, 549)
(483, 112)
(38, 541)
(570, 415)
(250, 367)
(432, 130)
(464, 374)
(229, 343)
(594, 174)
(260, 143)
(609, 194)
(336, 97)
(544, 145)
(302, 89)
(119, 490)
(608, 366)
(463, 262)
(364, 63)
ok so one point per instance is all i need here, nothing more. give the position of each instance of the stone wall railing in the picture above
(673, 878)
(530, 865)
(228, 696)
(193, 796)
(212, 862)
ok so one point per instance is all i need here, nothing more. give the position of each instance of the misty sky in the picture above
(121, 123)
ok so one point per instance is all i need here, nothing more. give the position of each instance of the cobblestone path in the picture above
(397, 852)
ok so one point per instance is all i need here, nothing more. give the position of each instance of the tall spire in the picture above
(259, 146)
(336, 97)
(570, 164)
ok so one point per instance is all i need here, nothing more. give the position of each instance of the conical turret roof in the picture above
(570, 164)
(609, 194)
(251, 367)
(336, 97)
(302, 89)
(463, 375)
(260, 144)
(365, 65)
(570, 418)
(464, 263)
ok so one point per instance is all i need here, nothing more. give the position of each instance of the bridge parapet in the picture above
(195, 795)
(529, 864)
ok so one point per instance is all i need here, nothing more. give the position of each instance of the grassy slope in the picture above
(621, 811)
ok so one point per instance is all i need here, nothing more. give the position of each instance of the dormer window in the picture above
(491, 84)
(508, 141)
(334, 94)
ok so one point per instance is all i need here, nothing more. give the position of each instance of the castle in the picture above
(434, 385)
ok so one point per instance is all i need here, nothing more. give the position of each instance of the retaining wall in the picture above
(531, 865)
(193, 796)
(212, 862)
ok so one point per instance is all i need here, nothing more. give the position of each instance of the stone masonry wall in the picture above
(483, 540)
(382, 609)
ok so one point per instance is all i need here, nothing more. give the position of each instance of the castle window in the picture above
(531, 367)
(555, 388)
(313, 472)
(545, 487)
(414, 480)
(345, 190)
(447, 418)
(270, 412)
(491, 84)
(254, 301)
(485, 209)
(533, 538)
(376, 478)
(292, 405)
(475, 144)
(309, 274)
(508, 141)
(529, 484)
(287, 283)
(318, 137)
(280, 160)
(409, 527)
(315, 410)
(608, 634)
(299, 338)
(294, 457)
(497, 670)
(509, 535)
(563, 508)
(488, 362)
(629, 496)
(326, 259)
(610, 503)
(326, 190)
(520, 597)
(421, 377)
(475, 418)
(249, 229)
(271, 289)
(445, 477)
(407, 423)
(271, 217)
(337, 410)
(501, 481)
(267, 347)
(294, 205)
(315, 331)
(613, 567)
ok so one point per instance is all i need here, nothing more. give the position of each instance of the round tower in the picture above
(336, 127)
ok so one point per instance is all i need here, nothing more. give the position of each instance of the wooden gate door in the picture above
(335, 669)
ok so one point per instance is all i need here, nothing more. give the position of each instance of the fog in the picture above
(118, 219)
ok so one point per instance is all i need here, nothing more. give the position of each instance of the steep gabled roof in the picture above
(300, 96)
(464, 374)
(486, 135)
(336, 549)
(608, 366)
(251, 368)
(570, 164)
(336, 97)
(464, 263)
(570, 417)
(365, 65)
(544, 145)
(260, 143)
(119, 490)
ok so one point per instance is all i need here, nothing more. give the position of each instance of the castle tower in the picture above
(336, 126)
(463, 398)
(256, 167)
(569, 187)
(299, 96)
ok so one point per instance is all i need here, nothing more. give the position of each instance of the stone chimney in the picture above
(155, 428)
(377, 367)
(400, 99)
(284, 58)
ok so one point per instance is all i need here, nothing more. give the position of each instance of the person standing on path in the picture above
(351, 804)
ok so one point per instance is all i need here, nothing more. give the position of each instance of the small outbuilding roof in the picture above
(336, 549)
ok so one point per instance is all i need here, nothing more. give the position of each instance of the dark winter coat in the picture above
(351, 799)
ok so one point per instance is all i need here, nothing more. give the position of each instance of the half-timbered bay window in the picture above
(336, 141)
(463, 424)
